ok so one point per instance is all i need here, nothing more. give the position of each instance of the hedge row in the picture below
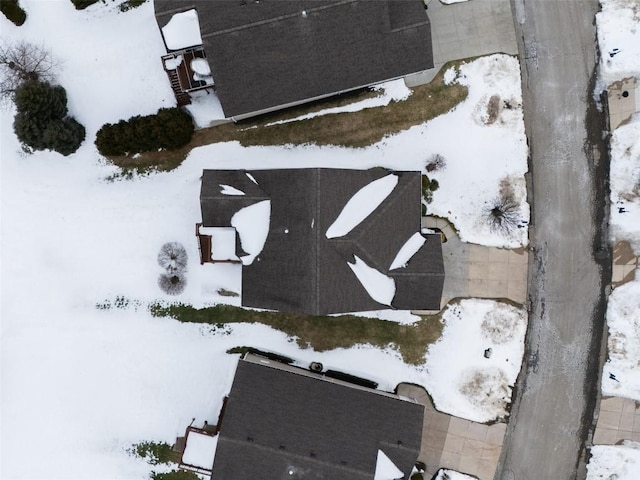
(12, 10)
(82, 4)
(169, 129)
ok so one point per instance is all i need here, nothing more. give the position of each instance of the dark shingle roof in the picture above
(269, 53)
(277, 421)
(299, 269)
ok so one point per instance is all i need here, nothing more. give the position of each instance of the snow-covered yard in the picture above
(619, 41)
(619, 462)
(81, 384)
(476, 385)
(618, 31)
(618, 26)
(621, 376)
(625, 183)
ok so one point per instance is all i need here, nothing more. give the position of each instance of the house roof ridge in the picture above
(349, 470)
(394, 196)
(274, 19)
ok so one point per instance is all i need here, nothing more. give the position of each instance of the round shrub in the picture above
(172, 283)
(173, 257)
(43, 101)
(64, 136)
(42, 121)
(29, 130)
(170, 128)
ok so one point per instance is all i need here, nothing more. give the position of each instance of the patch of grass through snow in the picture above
(349, 129)
(321, 333)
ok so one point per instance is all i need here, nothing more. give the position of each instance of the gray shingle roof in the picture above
(276, 421)
(272, 53)
(299, 269)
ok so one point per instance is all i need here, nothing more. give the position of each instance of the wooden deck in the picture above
(182, 77)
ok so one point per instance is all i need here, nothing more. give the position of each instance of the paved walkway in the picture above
(625, 263)
(477, 271)
(624, 100)
(467, 29)
(619, 419)
(455, 443)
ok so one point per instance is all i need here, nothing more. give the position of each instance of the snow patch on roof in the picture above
(252, 224)
(182, 31)
(407, 251)
(252, 178)
(200, 450)
(361, 205)
(379, 287)
(386, 469)
(229, 190)
(445, 474)
(223, 242)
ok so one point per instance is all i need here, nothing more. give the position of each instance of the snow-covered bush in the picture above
(428, 187)
(172, 283)
(42, 122)
(169, 129)
(82, 4)
(173, 257)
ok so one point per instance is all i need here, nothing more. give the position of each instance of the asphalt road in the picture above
(552, 412)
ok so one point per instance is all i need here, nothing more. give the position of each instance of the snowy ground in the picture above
(625, 183)
(620, 376)
(482, 174)
(81, 384)
(470, 385)
(619, 41)
(618, 30)
(619, 462)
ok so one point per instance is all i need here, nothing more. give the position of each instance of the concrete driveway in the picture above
(467, 29)
(455, 443)
(478, 271)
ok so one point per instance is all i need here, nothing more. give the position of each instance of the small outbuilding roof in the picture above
(287, 422)
(268, 54)
(299, 268)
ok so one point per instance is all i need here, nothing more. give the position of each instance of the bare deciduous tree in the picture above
(23, 61)
(435, 162)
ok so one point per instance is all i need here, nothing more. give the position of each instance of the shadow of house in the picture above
(299, 269)
(282, 421)
(272, 54)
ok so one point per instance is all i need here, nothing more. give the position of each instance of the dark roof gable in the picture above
(273, 53)
(280, 419)
(299, 268)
